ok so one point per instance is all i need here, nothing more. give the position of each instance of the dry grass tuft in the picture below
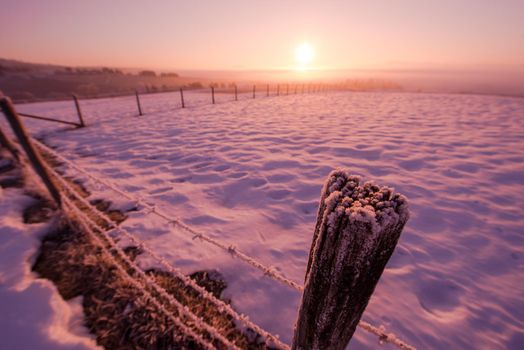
(115, 311)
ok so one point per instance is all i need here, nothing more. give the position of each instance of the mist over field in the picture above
(29, 81)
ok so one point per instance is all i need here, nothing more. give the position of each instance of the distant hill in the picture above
(24, 81)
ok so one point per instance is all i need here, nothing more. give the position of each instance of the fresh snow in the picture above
(249, 173)
(33, 315)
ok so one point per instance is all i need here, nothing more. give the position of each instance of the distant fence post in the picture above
(182, 97)
(34, 157)
(236, 93)
(254, 88)
(278, 89)
(357, 229)
(138, 103)
(267, 90)
(302, 88)
(287, 89)
(78, 111)
(295, 89)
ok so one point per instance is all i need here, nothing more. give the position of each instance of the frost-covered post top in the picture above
(367, 203)
(357, 229)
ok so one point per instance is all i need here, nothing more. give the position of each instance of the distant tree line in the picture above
(222, 85)
(150, 73)
(98, 71)
(88, 71)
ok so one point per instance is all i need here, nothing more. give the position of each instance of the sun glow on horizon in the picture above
(304, 54)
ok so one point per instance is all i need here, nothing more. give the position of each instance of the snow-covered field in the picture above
(250, 173)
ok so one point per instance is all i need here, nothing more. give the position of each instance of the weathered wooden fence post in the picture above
(236, 93)
(34, 157)
(78, 111)
(182, 97)
(287, 89)
(357, 229)
(138, 103)
(6, 143)
(278, 89)
(213, 94)
(254, 88)
(267, 90)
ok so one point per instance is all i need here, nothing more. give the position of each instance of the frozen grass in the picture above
(116, 311)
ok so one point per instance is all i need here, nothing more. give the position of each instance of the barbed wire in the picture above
(182, 309)
(268, 271)
(186, 280)
(83, 220)
(229, 248)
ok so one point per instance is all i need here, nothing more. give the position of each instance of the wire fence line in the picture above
(205, 96)
(229, 248)
(189, 282)
(149, 281)
(87, 226)
(380, 332)
(245, 88)
(91, 224)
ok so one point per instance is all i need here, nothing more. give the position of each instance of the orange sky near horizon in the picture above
(258, 35)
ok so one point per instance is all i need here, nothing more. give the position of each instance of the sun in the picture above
(304, 54)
